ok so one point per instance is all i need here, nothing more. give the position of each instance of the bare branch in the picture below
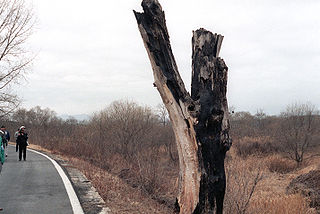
(16, 26)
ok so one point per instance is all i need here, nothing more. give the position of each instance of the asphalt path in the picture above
(32, 187)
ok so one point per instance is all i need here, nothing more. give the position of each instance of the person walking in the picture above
(3, 137)
(6, 136)
(22, 141)
(2, 158)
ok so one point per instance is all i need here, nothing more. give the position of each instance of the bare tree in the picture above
(128, 124)
(260, 121)
(163, 114)
(21, 116)
(8, 103)
(242, 124)
(200, 121)
(16, 25)
(297, 129)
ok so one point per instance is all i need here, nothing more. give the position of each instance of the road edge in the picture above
(75, 203)
(87, 196)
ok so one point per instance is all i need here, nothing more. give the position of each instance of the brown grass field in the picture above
(256, 184)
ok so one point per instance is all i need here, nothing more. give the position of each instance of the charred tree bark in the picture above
(200, 121)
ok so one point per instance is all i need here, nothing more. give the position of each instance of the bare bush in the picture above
(123, 127)
(242, 180)
(249, 146)
(297, 130)
(134, 143)
(280, 165)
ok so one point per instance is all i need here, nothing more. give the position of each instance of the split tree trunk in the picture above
(200, 121)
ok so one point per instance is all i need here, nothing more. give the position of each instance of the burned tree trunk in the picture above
(200, 121)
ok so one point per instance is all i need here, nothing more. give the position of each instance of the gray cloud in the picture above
(91, 53)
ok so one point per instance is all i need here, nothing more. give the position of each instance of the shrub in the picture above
(280, 165)
(254, 146)
(309, 185)
(243, 177)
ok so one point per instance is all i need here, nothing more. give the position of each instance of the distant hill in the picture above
(79, 117)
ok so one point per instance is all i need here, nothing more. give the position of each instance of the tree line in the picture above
(137, 142)
(294, 132)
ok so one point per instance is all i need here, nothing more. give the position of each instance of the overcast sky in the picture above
(90, 53)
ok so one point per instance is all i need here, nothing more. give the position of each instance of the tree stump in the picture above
(200, 121)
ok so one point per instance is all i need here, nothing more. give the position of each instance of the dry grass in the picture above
(256, 184)
(269, 193)
(119, 196)
(243, 176)
(276, 163)
(39, 148)
(285, 204)
(254, 146)
(309, 186)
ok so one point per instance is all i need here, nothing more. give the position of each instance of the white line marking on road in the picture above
(76, 207)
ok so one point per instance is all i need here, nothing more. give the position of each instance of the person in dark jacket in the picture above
(22, 141)
(1, 156)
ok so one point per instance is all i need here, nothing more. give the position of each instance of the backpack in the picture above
(4, 141)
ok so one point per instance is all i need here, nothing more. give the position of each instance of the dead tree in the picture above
(16, 26)
(200, 121)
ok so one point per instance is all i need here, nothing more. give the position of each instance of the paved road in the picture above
(32, 186)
